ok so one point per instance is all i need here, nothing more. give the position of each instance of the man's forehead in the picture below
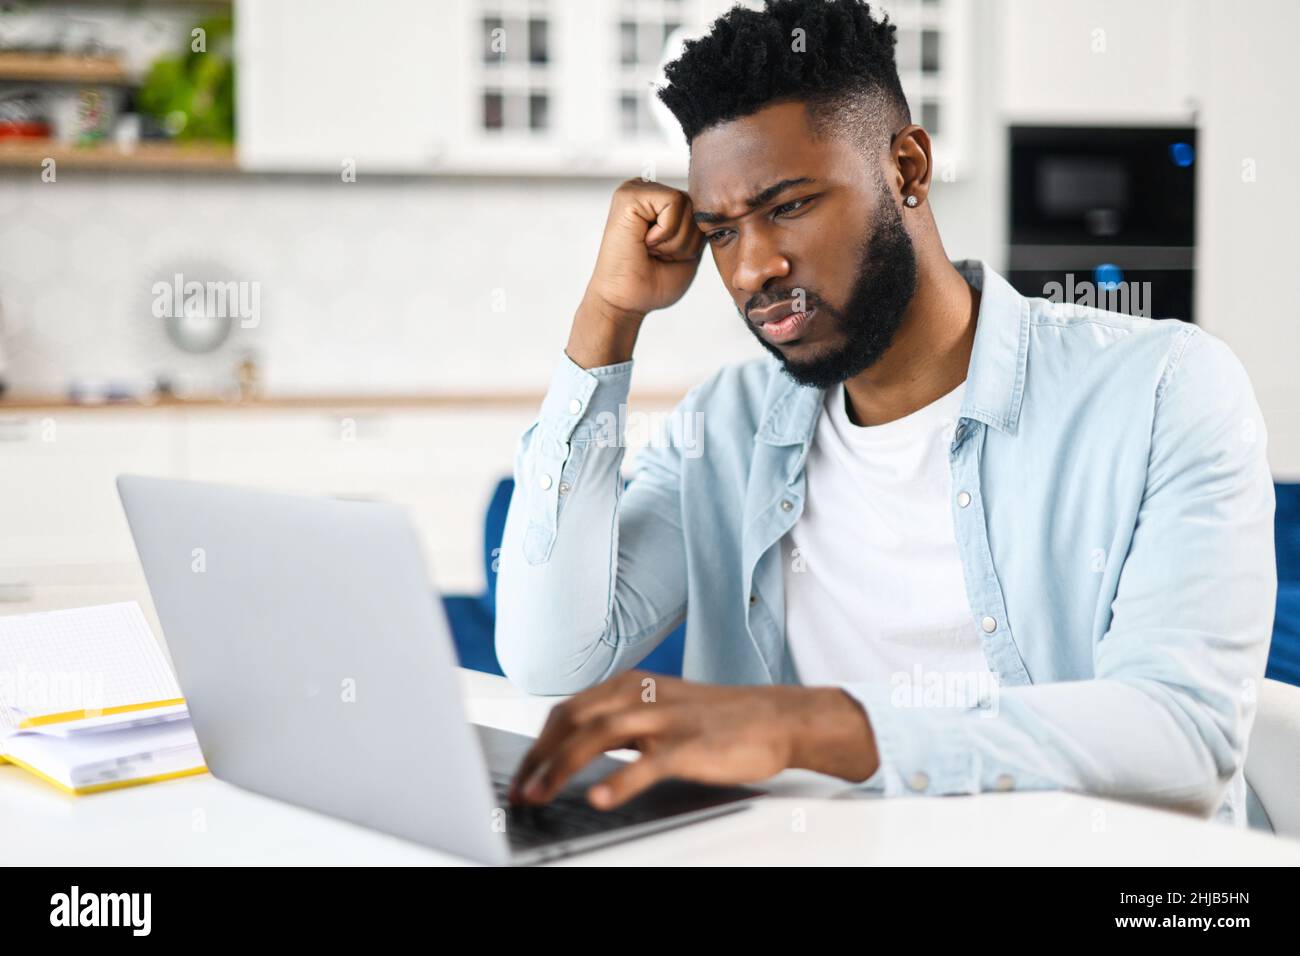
(735, 161)
(738, 158)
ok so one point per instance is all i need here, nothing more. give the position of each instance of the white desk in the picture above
(201, 820)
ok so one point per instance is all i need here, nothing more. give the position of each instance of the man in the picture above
(944, 539)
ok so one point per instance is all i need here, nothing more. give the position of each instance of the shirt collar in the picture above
(995, 378)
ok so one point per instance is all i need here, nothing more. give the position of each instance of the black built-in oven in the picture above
(1105, 217)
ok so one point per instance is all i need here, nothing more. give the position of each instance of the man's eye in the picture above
(717, 235)
(793, 206)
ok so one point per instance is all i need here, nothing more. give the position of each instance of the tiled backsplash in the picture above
(384, 284)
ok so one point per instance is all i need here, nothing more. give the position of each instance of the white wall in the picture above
(1249, 218)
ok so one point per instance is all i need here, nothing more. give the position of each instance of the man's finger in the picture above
(680, 243)
(585, 744)
(561, 722)
(624, 784)
(667, 221)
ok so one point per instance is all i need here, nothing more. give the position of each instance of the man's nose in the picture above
(758, 263)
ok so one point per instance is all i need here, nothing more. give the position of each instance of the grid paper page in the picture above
(82, 658)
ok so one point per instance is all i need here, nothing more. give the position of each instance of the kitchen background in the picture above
(412, 192)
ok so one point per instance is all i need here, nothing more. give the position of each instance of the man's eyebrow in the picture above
(758, 199)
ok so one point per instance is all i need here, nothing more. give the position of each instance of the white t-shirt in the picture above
(873, 580)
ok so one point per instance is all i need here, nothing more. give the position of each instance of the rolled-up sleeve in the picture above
(1167, 716)
(591, 576)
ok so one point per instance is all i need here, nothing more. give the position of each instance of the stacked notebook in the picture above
(88, 701)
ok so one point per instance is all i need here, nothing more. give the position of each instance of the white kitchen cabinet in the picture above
(324, 83)
(412, 86)
(514, 87)
(1102, 63)
(64, 539)
(440, 464)
(60, 504)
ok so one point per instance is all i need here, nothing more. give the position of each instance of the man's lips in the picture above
(779, 324)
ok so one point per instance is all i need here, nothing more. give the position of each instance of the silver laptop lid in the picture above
(315, 657)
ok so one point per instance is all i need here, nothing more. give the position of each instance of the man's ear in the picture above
(910, 152)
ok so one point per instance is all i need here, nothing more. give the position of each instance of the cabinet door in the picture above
(327, 82)
(441, 464)
(64, 539)
(1106, 62)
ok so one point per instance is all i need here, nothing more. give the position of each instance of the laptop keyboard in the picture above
(566, 817)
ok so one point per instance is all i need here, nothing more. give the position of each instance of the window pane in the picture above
(494, 39)
(538, 49)
(538, 111)
(627, 43)
(930, 51)
(493, 111)
(930, 117)
(627, 113)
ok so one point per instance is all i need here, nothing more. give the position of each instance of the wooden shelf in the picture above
(156, 156)
(62, 68)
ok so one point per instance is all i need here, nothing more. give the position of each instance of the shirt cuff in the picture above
(582, 402)
(922, 750)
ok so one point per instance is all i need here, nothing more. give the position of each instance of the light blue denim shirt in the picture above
(1113, 510)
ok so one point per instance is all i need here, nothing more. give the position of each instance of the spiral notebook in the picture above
(88, 702)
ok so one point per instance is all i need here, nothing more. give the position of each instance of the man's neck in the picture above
(929, 355)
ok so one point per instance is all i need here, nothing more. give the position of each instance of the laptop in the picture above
(319, 669)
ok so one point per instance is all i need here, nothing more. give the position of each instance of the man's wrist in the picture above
(602, 335)
(831, 734)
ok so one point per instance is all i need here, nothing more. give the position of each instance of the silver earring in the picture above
(911, 202)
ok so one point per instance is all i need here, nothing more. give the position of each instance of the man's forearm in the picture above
(589, 580)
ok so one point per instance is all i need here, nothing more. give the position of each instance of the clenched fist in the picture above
(648, 257)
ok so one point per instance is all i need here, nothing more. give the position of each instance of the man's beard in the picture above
(885, 285)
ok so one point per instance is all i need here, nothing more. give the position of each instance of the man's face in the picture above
(807, 239)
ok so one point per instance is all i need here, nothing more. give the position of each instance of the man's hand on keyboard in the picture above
(709, 733)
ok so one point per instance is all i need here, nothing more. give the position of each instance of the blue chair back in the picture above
(1284, 653)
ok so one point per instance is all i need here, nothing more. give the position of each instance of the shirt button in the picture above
(753, 599)
(1004, 782)
(564, 488)
(963, 499)
(989, 625)
(545, 482)
(920, 780)
(786, 505)
(575, 406)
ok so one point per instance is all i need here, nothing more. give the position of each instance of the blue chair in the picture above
(473, 618)
(1284, 655)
